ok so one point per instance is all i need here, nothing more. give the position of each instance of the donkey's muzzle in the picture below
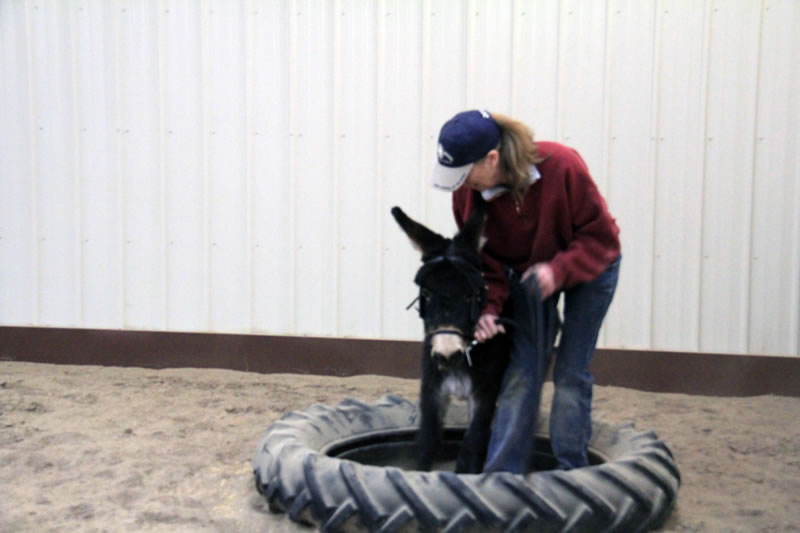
(449, 362)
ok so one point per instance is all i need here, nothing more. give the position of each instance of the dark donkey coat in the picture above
(452, 295)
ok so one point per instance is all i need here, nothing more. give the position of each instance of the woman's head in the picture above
(484, 150)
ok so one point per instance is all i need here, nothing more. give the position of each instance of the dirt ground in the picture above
(88, 448)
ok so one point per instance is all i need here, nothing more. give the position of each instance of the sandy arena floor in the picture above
(87, 448)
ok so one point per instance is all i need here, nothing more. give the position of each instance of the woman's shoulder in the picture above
(555, 155)
(462, 199)
(462, 196)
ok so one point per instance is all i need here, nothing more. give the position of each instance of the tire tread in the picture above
(635, 491)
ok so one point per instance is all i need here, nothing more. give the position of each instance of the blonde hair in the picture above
(517, 153)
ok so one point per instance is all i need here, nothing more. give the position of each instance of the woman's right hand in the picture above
(487, 328)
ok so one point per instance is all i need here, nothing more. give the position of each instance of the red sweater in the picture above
(562, 220)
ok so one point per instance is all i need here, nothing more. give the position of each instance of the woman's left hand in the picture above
(545, 278)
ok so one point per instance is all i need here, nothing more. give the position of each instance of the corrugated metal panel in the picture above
(535, 65)
(489, 82)
(141, 164)
(19, 287)
(774, 311)
(681, 70)
(444, 94)
(185, 179)
(99, 142)
(273, 214)
(312, 129)
(583, 83)
(399, 172)
(229, 166)
(54, 145)
(630, 180)
(359, 254)
(227, 140)
(728, 182)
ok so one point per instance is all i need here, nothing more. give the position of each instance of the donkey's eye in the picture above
(425, 293)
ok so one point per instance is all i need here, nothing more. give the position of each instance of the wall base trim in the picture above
(647, 370)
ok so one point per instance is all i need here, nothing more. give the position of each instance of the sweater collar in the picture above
(494, 192)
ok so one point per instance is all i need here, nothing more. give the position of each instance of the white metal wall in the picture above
(229, 166)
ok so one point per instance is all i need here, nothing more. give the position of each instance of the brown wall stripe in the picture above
(681, 372)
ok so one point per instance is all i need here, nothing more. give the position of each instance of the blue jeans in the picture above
(514, 425)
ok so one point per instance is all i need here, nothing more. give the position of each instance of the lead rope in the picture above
(538, 335)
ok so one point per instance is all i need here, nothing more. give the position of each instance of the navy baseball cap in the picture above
(463, 140)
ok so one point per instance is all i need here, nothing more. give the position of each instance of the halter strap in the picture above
(472, 342)
(456, 332)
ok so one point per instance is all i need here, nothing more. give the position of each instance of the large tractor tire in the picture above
(350, 468)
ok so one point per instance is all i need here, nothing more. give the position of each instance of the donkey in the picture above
(452, 295)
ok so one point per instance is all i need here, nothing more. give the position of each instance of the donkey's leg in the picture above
(476, 439)
(429, 437)
(486, 377)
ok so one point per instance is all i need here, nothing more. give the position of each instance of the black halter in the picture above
(475, 281)
(471, 273)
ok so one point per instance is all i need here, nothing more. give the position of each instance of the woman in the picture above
(548, 231)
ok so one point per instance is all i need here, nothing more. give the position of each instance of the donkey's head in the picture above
(452, 291)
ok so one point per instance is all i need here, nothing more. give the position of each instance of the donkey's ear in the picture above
(471, 234)
(425, 240)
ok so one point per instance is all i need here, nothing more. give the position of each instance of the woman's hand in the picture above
(544, 276)
(487, 328)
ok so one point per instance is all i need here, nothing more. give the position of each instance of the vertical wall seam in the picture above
(707, 42)
(292, 65)
(655, 131)
(754, 169)
(469, 63)
(558, 111)
(794, 81)
(424, 113)
(514, 59)
(606, 126)
(380, 90)
(249, 88)
(607, 100)
(796, 231)
(205, 148)
(120, 166)
(36, 266)
(77, 167)
(162, 148)
(560, 73)
(336, 142)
